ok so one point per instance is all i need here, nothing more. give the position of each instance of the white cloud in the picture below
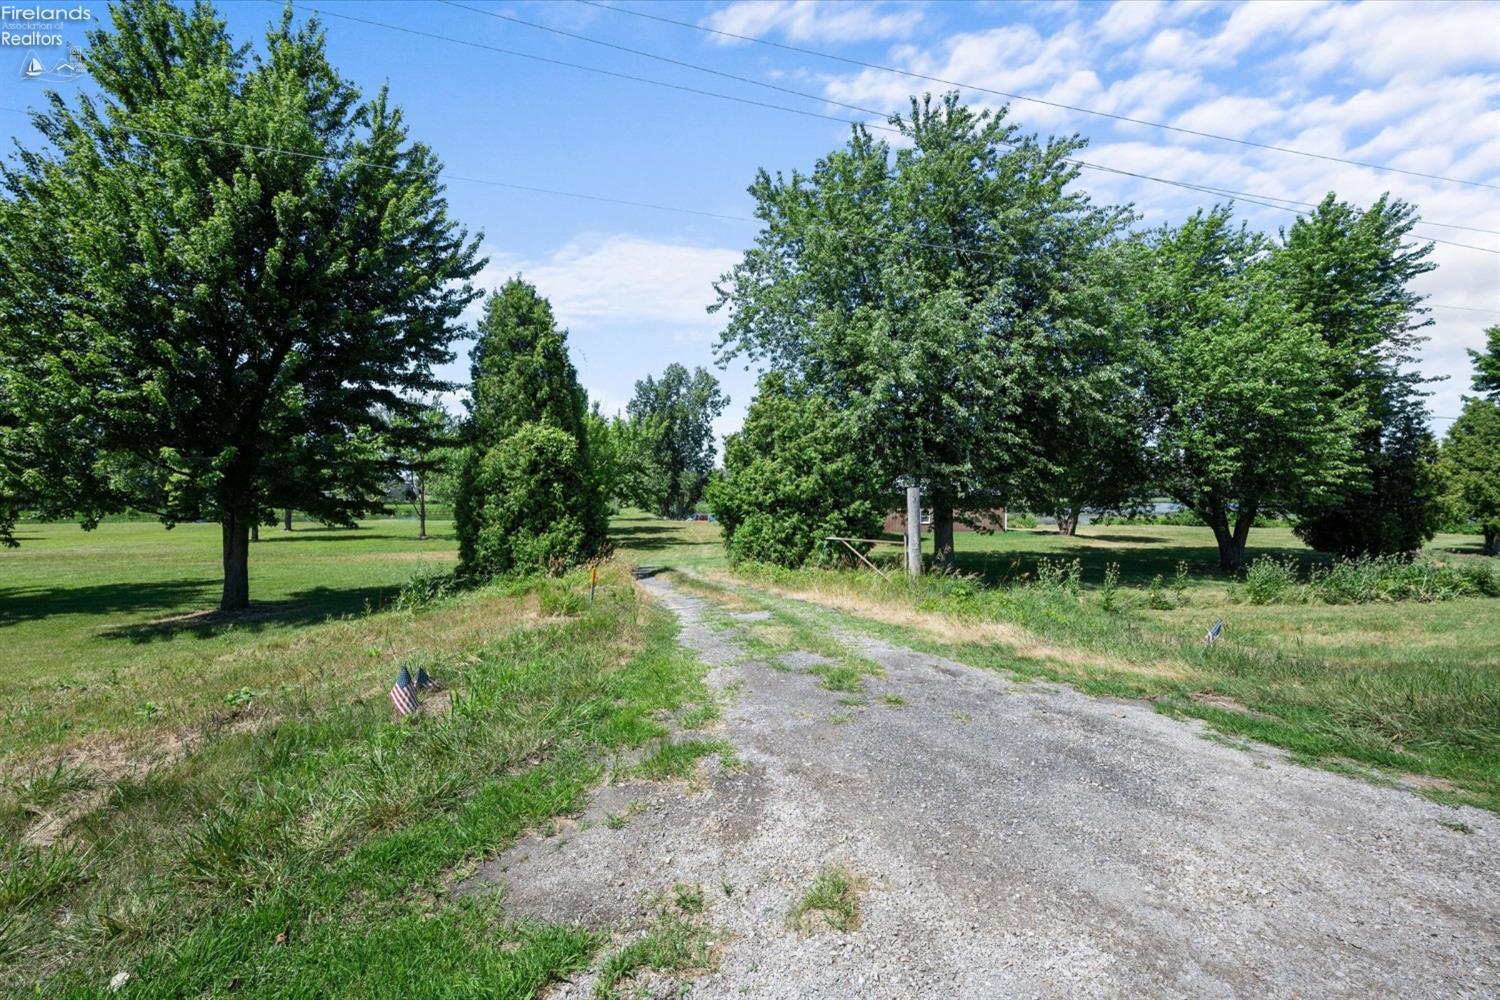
(1380, 40)
(815, 20)
(1127, 20)
(595, 280)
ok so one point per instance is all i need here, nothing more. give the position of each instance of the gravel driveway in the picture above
(1020, 840)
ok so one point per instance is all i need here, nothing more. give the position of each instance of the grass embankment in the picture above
(301, 842)
(1400, 689)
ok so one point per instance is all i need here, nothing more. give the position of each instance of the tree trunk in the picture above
(1491, 540)
(286, 519)
(1067, 522)
(1232, 543)
(255, 530)
(942, 534)
(235, 529)
(421, 507)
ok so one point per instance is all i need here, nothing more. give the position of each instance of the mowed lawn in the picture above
(1408, 691)
(113, 629)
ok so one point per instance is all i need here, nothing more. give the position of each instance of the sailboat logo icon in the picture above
(33, 68)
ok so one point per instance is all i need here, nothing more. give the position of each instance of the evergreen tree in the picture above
(796, 474)
(211, 328)
(1487, 365)
(528, 496)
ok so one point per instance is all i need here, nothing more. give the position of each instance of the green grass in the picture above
(1392, 688)
(283, 853)
(679, 942)
(108, 632)
(833, 898)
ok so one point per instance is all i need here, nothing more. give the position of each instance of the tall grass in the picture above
(1367, 580)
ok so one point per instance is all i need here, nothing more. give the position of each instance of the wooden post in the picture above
(913, 532)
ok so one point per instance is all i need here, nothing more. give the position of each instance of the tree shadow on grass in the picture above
(183, 607)
(653, 536)
(276, 536)
(23, 604)
(305, 607)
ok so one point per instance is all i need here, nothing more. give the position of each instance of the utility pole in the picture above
(913, 532)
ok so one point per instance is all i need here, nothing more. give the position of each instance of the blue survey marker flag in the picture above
(1215, 632)
(404, 694)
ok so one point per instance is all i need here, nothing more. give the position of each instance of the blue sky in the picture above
(1414, 86)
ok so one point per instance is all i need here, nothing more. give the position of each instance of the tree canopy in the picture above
(673, 437)
(1487, 365)
(935, 292)
(1348, 273)
(212, 328)
(795, 475)
(1242, 422)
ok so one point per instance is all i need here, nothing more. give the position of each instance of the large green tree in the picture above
(1487, 365)
(1348, 273)
(1469, 465)
(937, 292)
(674, 434)
(218, 273)
(796, 474)
(1242, 422)
(1470, 469)
(528, 494)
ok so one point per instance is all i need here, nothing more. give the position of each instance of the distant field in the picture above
(91, 626)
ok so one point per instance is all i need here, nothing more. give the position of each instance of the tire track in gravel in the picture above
(1019, 840)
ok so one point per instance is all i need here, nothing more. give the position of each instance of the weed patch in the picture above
(832, 901)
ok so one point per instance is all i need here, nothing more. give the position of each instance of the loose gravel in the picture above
(1017, 839)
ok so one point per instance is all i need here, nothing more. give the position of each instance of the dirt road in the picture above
(1020, 840)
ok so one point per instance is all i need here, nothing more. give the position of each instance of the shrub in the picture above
(1273, 581)
(795, 475)
(532, 505)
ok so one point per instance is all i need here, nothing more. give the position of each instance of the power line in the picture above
(1476, 309)
(752, 81)
(809, 114)
(443, 175)
(1034, 100)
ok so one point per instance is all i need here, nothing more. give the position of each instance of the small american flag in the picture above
(1214, 633)
(404, 694)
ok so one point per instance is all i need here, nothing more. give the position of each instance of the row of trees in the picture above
(965, 319)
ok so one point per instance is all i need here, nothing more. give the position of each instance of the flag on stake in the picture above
(424, 681)
(404, 695)
(1214, 633)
